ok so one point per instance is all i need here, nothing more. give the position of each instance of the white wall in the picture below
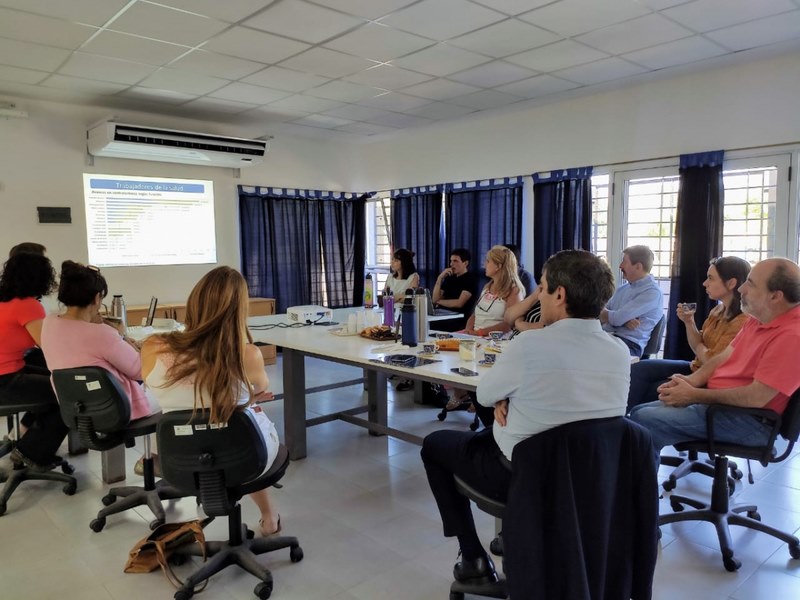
(743, 106)
(42, 160)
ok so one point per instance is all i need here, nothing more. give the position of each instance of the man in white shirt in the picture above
(570, 370)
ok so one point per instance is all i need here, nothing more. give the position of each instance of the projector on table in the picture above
(309, 314)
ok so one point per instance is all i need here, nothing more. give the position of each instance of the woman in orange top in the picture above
(724, 276)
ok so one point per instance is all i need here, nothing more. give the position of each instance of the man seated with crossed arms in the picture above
(635, 308)
(758, 369)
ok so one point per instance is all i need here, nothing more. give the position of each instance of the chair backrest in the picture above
(93, 404)
(790, 420)
(654, 343)
(208, 459)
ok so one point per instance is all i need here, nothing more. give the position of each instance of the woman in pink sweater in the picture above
(78, 337)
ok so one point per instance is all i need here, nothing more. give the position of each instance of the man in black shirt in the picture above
(456, 289)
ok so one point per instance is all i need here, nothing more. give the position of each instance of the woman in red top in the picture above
(26, 278)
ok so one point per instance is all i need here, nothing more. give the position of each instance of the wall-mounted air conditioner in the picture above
(118, 140)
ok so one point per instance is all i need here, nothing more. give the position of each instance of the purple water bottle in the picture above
(388, 310)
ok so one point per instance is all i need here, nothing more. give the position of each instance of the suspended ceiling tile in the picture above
(634, 34)
(91, 66)
(486, 99)
(492, 74)
(401, 121)
(366, 128)
(706, 15)
(354, 112)
(504, 38)
(133, 48)
(213, 105)
(254, 45)
(21, 75)
(251, 94)
(573, 17)
(303, 103)
(186, 82)
(387, 77)
(560, 55)
(369, 9)
(327, 63)
(378, 42)
(157, 95)
(513, 7)
(442, 110)
(441, 59)
(324, 121)
(344, 91)
(303, 21)
(679, 52)
(607, 69)
(442, 19)
(91, 12)
(394, 101)
(230, 11)
(440, 89)
(26, 27)
(285, 79)
(541, 85)
(759, 33)
(31, 56)
(81, 85)
(216, 65)
(166, 24)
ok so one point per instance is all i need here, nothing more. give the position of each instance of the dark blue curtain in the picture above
(417, 225)
(698, 239)
(562, 213)
(483, 216)
(294, 246)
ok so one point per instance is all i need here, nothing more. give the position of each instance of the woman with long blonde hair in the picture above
(213, 366)
(503, 291)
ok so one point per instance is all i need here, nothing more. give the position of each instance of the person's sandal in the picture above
(267, 534)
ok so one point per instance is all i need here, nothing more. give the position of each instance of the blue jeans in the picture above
(647, 375)
(669, 425)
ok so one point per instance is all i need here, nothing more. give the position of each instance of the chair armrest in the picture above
(768, 417)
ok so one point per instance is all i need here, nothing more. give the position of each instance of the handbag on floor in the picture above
(153, 551)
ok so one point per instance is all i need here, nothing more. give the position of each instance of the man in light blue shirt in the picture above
(635, 308)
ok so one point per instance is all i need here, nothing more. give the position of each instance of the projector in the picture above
(308, 314)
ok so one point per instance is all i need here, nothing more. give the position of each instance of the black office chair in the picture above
(16, 476)
(558, 477)
(95, 406)
(718, 511)
(220, 465)
(653, 345)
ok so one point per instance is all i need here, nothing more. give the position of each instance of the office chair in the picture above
(220, 465)
(16, 476)
(718, 511)
(94, 405)
(581, 516)
(653, 345)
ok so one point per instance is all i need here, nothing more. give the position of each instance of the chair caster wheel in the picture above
(441, 416)
(70, 488)
(731, 486)
(737, 474)
(456, 596)
(496, 545)
(67, 468)
(108, 499)
(676, 506)
(794, 551)
(263, 590)
(731, 564)
(296, 554)
(155, 523)
(97, 525)
(668, 485)
(183, 594)
(753, 514)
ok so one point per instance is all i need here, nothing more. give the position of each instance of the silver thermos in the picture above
(421, 302)
(118, 309)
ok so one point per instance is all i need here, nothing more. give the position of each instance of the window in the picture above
(600, 215)
(750, 210)
(379, 250)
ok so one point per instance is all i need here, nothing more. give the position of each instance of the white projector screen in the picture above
(149, 221)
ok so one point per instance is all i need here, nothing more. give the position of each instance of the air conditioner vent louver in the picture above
(169, 145)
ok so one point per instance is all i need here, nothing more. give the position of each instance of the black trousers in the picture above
(477, 460)
(31, 384)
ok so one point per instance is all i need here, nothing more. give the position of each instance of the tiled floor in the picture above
(367, 523)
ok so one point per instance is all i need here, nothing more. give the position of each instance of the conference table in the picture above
(299, 342)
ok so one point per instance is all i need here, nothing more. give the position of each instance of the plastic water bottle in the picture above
(369, 292)
(408, 317)
(388, 310)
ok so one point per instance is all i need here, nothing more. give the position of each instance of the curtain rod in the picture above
(641, 160)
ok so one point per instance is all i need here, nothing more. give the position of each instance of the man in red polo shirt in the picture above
(758, 369)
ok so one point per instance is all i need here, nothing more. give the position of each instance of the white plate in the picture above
(341, 332)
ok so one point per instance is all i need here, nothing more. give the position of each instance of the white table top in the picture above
(318, 341)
